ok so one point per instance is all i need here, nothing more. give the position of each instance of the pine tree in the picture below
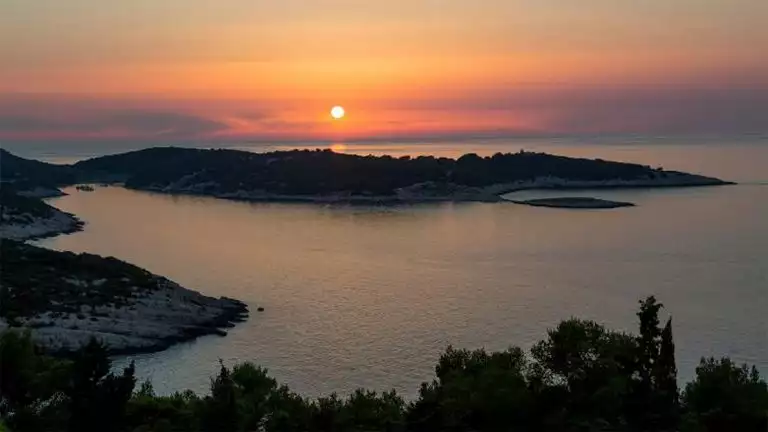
(665, 381)
(649, 340)
(221, 413)
(97, 397)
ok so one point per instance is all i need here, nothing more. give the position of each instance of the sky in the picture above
(239, 70)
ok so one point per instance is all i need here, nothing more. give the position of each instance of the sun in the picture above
(338, 112)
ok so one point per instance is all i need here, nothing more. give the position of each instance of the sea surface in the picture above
(369, 296)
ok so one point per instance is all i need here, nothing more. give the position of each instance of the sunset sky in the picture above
(233, 70)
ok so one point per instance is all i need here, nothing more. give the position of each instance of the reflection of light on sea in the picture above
(338, 147)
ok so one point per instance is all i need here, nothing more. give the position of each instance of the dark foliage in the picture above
(305, 172)
(35, 280)
(725, 397)
(97, 399)
(26, 173)
(582, 377)
(14, 206)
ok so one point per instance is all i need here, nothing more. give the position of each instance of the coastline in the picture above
(87, 296)
(65, 299)
(62, 223)
(431, 192)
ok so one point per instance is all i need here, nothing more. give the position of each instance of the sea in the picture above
(370, 296)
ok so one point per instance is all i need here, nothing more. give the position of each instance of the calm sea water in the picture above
(367, 296)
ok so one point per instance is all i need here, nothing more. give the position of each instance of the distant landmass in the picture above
(33, 177)
(323, 175)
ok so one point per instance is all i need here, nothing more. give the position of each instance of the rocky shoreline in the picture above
(64, 300)
(31, 227)
(24, 216)
(158, 329)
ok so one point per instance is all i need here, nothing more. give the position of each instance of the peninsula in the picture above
(23, 217)
(65, 299)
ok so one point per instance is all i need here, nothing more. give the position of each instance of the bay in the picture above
(369, 296)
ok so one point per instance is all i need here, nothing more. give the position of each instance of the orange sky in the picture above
(240, 69)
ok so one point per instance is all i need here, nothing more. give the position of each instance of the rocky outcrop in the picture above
(574, 203)
(27, 227)
(65, 299)
(23, 217)
(153, 322)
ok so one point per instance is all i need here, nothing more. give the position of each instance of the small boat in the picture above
(85, 188)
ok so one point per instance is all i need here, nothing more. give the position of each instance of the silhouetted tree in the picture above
(29, 384)
(474, 390)
(582, 377)
(665, 382)
(221, 410)
(725, 397)
(586, 374)
(654, 403)
(97, 397)
(253, 387)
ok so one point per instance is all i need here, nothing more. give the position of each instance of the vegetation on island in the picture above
(15, 208)
(23, 217)
(35, 280)
(314, 172)
(317, 172)
(28, 173)
(64, 298)
(581, 377)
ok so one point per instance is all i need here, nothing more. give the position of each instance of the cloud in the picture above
(614, 110)
(509, 112)
(116, 123)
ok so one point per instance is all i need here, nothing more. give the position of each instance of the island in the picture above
(574, 203)
(64, 299)
(326, 176)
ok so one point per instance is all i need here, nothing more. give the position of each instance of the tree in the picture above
(583, 374)
(665, 381)
(474, 390)
(654, 403)
(367, 410)
(582, 377)
(221, 411)
(179, 412)
(97, 397)
(725, 397)
(30, 384)
(253, 386)
(288, 412)
(649, 340)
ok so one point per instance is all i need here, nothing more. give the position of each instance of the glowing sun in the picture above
(338, 112)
